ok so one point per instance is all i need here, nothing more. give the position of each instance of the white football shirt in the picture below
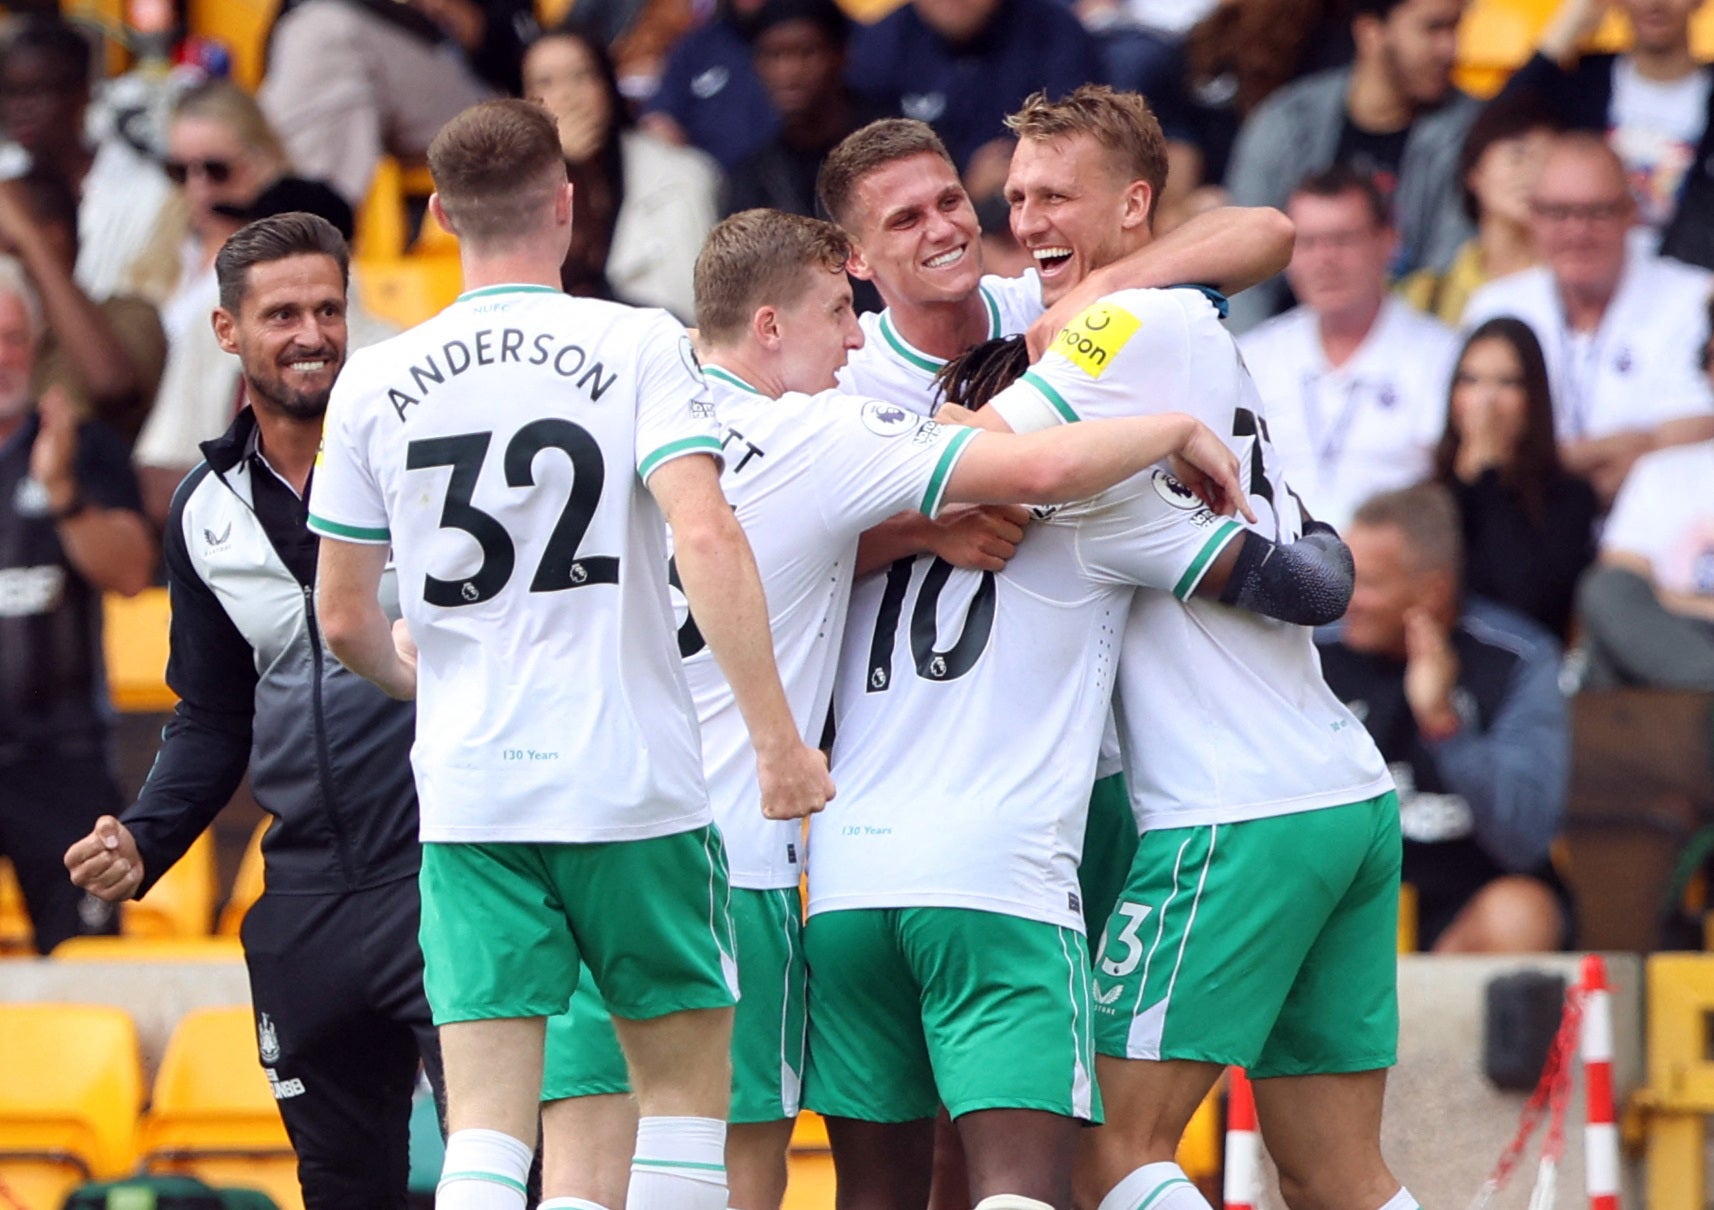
(1665, 513)
(1224, 715)
(1343, 434)
(1638, 368)
(889, 367)
(807, 475)
(502, 447)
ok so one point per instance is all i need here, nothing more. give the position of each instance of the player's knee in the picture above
(1011, 1201)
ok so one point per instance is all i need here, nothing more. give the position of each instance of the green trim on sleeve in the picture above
(1199, 566)
(949, 457)
(1057, 401)
(350, 533)
(674, 449)
(994, 332)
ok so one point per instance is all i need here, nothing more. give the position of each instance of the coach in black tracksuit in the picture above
(331, 946)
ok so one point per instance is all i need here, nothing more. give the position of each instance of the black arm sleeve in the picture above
(1307, 582)
(205, 748)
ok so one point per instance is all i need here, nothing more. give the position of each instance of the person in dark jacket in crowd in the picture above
(331, 946)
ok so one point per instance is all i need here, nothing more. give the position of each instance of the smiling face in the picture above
(1072, 211)
(916, 233)
(289, 333)
(816, 330)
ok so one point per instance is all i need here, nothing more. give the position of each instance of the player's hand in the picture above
(1431, 672)
(1207, 467)
(794, 780)
(982, 538)
(106, 862)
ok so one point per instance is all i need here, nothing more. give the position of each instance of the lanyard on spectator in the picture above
(1327, 443)
(1582, 360)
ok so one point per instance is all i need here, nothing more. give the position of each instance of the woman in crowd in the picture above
(644, 206)
(1528, 523)
(1499, 164)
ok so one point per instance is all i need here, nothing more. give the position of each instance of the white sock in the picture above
(1156, 1187)
(680, 1164)
(484, 1170)
(1402, 1200)
(1011, 1201)
(569, 1203)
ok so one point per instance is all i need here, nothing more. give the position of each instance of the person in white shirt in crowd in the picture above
(1355, 380)
(1647, 607)
(1621, 327)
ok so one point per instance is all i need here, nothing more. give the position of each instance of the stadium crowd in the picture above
(1472, 395)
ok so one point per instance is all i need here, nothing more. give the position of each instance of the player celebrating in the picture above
(894, 187)
(808, 470)
(1268, 817)
(519, 452)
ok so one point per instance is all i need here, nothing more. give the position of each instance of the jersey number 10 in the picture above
(933, 663)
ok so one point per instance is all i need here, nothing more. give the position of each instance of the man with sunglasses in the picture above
(1621, 328)
(331, 946)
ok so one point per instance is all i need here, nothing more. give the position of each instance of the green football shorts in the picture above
(768, 1030)
(1109, 845)
(504, 926)
(913, 1008)
(1270, 945)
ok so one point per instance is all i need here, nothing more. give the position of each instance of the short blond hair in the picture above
(1427, 515)
(863, 151)
(759, 258)
(1121, 122)
(495, 168)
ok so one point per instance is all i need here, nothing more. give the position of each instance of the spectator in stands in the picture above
(1620, 327)
(963, 65)
(1528, 526)
(1653, 103)
(1462, 697)
(1354, 379)
(1647, 608)
(46, 73)
(799, 50)
(1392, 114)
(224, 156)
(1501, 160)
(331, 946)
(710, 96)
(1231, 61)
(644, 206)
(71, 528)
(351, 80)
(107, 356)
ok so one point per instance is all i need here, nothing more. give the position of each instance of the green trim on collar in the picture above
(486, 291)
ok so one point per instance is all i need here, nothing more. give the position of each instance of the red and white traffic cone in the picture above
(1243, 1143)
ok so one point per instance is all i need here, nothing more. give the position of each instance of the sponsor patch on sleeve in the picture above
(1094, 338)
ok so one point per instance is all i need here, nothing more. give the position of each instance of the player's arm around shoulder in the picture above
(724, 591)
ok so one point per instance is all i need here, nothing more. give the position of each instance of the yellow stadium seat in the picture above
(246, 885)
(181, 904)
(809, 1181)
(71, 1084)
(15, 930)
(1407, 918)
(135, 633)
(1202, 1148)
(241, 25)
(213, 1115)
(148, 949)
(409, 289)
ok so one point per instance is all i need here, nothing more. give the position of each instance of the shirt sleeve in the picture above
(675, 413)
(1514, 773)
(346, 501)
(1127, 355)
(1153, 532)
(205, 747)
(103, 469)
(885, 460)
